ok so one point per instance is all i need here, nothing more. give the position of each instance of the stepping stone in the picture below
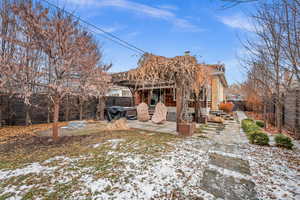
(209, 128)
(233, 149)
(227, 187)
(231, 163)
(207, 131)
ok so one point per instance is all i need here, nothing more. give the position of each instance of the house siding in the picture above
(214, 93)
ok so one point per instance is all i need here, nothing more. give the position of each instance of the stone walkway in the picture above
(228, 133)
(227, 174)
(241, 115)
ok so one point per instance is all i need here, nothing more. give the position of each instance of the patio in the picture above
(167, 127)
(227, 133)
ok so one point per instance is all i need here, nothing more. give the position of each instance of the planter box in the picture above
(186, 129)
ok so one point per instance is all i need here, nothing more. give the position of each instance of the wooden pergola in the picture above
(152, 70)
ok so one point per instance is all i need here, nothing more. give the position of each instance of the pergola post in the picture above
(179, 105)
(133, 91)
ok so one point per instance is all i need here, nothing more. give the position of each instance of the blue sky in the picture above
(168, 28)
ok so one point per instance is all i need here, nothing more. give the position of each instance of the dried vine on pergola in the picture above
(180, 70)
(153, 69)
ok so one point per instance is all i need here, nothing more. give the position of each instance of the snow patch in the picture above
(115, 142)
(228, 172)
(273, 171)
(96, 145)
(227, 154)
(32, 168)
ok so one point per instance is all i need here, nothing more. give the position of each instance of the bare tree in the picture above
(232, 3)
(100, 84)
(199, 86)
(291, 42)
(87, 66)
(65, 46)
(8, 28)
(273, 53)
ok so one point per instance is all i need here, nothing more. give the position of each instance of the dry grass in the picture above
(11, 133)
(98, 152)
(140, 142)
(94, 148)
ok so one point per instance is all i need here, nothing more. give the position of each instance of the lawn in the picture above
(81, 166)
(136, 164)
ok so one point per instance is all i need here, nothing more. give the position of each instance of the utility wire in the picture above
(105, 34)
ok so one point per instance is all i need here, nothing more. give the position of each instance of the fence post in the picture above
(297, 114)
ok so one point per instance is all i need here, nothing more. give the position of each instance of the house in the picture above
(119, 91)
(166, 92)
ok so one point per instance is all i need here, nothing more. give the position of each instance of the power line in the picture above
(105, 34)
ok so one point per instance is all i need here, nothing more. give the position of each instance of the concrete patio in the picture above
(228, 133)
(167, 127)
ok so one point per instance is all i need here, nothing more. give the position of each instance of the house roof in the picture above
(121, 77)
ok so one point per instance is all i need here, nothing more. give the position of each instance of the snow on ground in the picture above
(140, 176)
(145, 178)
(115, 142)
(130, 175)
(34, 168)
(275, 171)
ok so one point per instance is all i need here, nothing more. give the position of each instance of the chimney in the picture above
(187, 53)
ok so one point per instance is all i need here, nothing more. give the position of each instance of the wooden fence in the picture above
(291, 112)
(13, 110)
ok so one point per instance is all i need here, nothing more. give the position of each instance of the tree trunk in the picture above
(278, 117)
(55, 119)
(178, 105)
(1, 107)
(101, 108)
(133, 96)
(197, 109)
(27, 117)
(11, 121)
(206, 99)
(278, 108)
(67, 112)
(48, 113)
(80, 111)
(265, 115)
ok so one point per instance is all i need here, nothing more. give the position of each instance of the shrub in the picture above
(249, 126)
(260, 123)
(226, 107)
(259, 138)
(283, 141)
(247, 121)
